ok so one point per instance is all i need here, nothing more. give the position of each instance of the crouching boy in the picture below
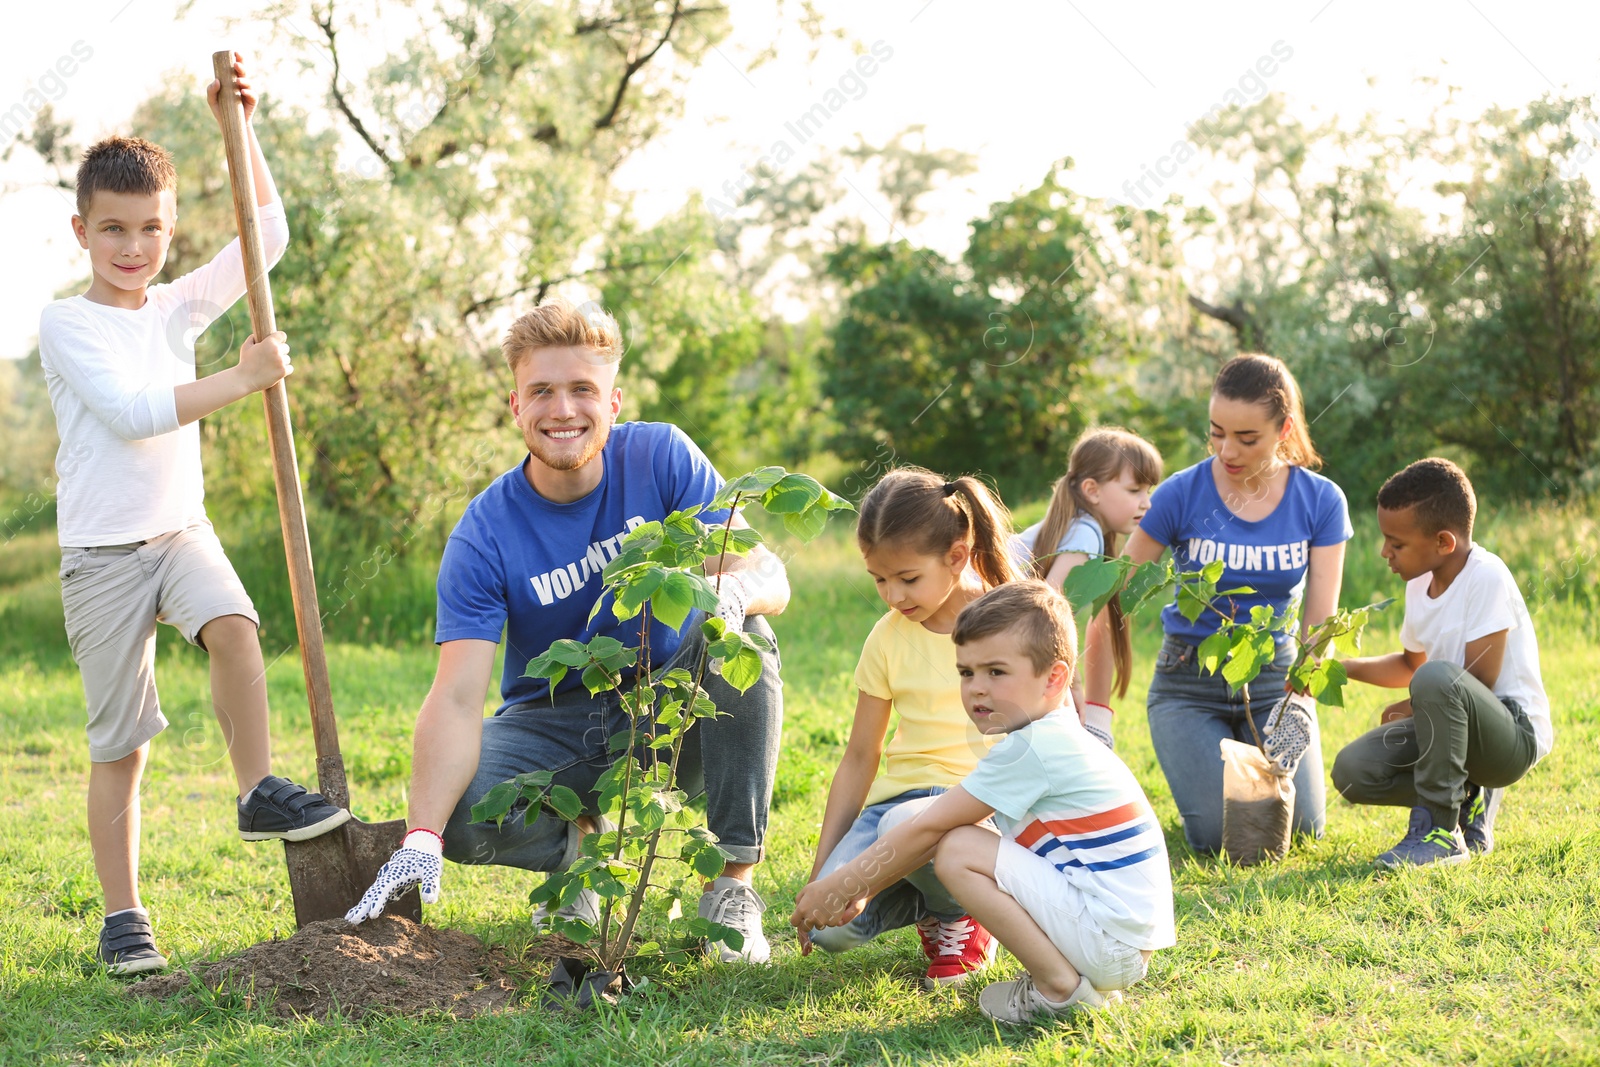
(1477, 719)
(1076, 884)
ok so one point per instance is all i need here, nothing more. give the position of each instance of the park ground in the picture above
(1318, 959)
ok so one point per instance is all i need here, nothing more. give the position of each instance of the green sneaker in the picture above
(1477, 818)
(1425, 843)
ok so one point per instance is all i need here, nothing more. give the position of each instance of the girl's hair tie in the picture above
(950, 488)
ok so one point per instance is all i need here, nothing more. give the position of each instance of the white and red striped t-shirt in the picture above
(1063, 795)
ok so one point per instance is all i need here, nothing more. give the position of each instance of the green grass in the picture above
(1317, 959)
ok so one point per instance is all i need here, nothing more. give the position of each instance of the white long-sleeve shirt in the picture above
(126, 470)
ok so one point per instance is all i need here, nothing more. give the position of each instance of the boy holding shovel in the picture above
(137, 547)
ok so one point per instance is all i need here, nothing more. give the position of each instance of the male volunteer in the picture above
(526, 559)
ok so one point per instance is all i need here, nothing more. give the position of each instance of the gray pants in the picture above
(732, 758)
(1459, 732)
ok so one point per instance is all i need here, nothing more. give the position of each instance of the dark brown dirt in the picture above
(388, 964)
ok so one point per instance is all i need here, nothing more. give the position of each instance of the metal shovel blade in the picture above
(329, 874)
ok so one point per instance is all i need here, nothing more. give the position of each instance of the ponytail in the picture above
(991, 532)
(920, 509)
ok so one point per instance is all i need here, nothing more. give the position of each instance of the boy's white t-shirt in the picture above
(126, 470)
(1060, 793)
(1483, 599)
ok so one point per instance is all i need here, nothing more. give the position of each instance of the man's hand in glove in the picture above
(733, 597)
(417, 862)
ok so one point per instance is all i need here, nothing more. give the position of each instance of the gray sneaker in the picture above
(586, 908)
(128, 945)
(1425, 843)
(1477, 818)
(1020, 1002)
(731, 903)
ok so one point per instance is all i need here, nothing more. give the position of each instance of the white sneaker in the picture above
(1021, 1003)
(731, 903)
(586, 908)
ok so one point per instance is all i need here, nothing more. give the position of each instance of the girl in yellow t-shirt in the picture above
(931, 546)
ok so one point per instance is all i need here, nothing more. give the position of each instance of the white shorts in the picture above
(1058, 907)
(113, 597)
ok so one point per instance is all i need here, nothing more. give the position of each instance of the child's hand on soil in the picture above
(409, 866)
(821, 905)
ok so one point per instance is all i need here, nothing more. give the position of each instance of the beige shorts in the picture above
(114, 596)
(1058, 907)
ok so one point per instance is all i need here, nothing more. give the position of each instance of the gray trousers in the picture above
(732, 759)
(1459, 732)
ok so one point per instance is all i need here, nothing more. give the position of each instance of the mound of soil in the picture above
(387, 964)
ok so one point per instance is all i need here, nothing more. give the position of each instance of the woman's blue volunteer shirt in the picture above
(531, 567)
(1187, 515)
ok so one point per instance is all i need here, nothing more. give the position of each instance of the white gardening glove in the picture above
(418, 861)
(1288, 732)
(733, 598)
(1097, 720)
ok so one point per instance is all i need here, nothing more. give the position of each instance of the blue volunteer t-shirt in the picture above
(531, 567)
(1187, 515)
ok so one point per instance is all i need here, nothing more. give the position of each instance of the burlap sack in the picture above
(1257, 806)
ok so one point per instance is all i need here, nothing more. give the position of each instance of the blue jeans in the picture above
(732, 758)
(902, 904)
(1190, 712)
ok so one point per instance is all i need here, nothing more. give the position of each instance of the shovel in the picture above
(327, 874)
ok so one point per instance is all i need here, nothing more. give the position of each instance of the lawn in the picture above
(1316, 960)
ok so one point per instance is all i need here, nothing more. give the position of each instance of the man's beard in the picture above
(540, 448)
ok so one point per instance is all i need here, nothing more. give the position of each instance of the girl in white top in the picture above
(1097, 503)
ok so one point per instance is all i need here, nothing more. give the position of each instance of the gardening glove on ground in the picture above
(733, 598)
(1097, 720)
(1288, 733)
(418, 861)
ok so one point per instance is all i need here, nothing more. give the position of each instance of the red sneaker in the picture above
(956, 951)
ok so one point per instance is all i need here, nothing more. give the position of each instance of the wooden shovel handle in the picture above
(280, 436)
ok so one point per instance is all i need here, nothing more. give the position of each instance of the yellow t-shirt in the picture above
(934, 742)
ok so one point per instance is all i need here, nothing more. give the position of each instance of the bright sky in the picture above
(1113, 85)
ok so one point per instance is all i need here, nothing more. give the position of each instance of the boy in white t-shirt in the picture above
(136, 546)
(1477, 719)
(1076, 884)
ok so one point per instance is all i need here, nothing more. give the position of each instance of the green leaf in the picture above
(680, 592)
(742, 670)
(496, 803)
(634, 591)
(1333, 679)
(597, 679)
(792, 494)
(806, 524)
(568, 652)
(1191, 605)
(708, 861)
(1211, 573)
(1091, 584)
(1152, 581)
(565, 802)
(749, 485)
(1213, 649)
